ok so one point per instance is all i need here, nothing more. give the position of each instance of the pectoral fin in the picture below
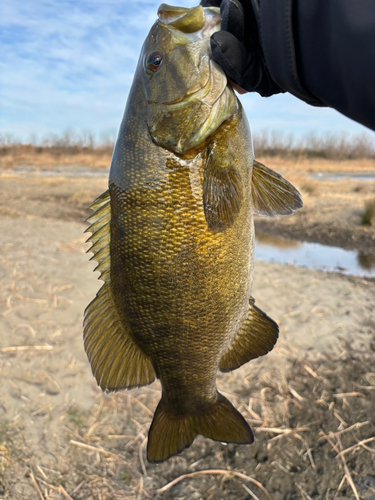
(257, 337)
(116, 361)
(222, 194)
(271, 194)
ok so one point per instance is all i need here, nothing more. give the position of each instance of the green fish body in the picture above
(174, 239)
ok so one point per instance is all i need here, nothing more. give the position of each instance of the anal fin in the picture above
(257, 337)
(271, 194)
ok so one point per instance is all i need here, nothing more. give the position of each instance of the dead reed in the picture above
(335, 146)
(368, 214)
(315, 438)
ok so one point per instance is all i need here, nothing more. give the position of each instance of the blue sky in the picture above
(69, 64)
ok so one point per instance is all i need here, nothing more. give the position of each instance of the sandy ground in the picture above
(60, 437)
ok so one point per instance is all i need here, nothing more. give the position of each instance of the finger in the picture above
(235, 60)
(232, 18)
(210, 3)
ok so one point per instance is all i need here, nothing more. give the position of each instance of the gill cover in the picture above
(187, 93)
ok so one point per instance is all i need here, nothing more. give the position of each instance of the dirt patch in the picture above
(54, 198)
(60, 434)
(310, 401)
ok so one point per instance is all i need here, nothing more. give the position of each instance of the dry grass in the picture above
(314, 431)
(65, 149)
(313, 421)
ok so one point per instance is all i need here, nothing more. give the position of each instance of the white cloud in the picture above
(70, 63)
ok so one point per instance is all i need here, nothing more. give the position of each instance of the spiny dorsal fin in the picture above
(116, 361)
(100, 237)
(271, 194)
(222, 194)
(257, 337)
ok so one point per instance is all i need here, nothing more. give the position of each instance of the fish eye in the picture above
(154, 61)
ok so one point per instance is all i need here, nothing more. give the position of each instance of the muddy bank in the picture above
(341, 232)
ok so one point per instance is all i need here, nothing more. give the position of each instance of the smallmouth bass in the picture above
(174, 239)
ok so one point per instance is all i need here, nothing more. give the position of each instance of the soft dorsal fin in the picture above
(116, 361)
(257, 337)
(271, 194)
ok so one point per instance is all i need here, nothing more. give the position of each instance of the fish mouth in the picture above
(190, 25)
(167, 17)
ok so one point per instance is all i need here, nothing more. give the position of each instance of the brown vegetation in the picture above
(368, 214)
(82, 148)
(334, 146)
(65, 149)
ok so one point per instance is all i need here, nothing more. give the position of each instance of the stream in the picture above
(314, 256)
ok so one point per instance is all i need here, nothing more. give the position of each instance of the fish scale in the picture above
(177, 256)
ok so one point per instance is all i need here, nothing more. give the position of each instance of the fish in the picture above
(174, 239)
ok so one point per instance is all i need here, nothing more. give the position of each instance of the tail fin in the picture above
(170, 434)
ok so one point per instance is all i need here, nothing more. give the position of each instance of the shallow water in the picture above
(314, 256)
(359, 176)
(80, 171)
(59, 171)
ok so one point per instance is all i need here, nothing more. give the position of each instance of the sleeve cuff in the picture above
(279, 48)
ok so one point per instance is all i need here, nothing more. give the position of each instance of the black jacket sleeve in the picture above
(323, 51)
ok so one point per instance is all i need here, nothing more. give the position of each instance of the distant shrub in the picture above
(337, 146)
(368, 214)
(309, 187)
(366, 260)
(66, 143)
(266, 143)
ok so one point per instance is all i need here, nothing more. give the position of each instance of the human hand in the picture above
(237, 47)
